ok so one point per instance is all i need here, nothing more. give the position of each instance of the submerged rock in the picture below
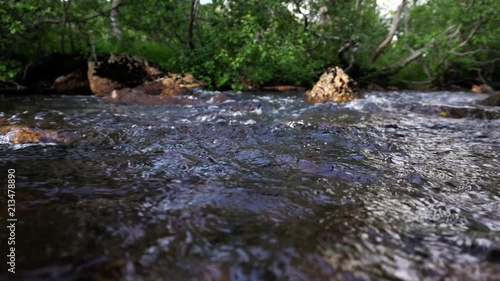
(172, 84)
(482, 89)
(133, 96)
(334, 86)
(22, 134)
(493, 100)
(284, 88)
(75, 82)
(449, 111)
(468, 112)
(175, 84)
(374, 87)
(249, 85)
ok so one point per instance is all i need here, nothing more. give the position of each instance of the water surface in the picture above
(260, 187)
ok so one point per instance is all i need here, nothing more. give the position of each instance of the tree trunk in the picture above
(64, 20)
(194, 5)
(115, 26)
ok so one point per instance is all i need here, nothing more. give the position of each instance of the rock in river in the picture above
(492, 100)
(126, 71)
(134, 96)
(482, 89)
(119, 71)
(21, 134)
(334, 86)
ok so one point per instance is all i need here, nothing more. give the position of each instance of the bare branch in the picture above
(322, 36)
(415, 55)
(467, 53)
(45, 21)
(392, 31)
(41, 22)
(455, 33)
(474, 30)
(423, 63)
(471, 5)
(482, 63)
(352, 45)
(423, 82)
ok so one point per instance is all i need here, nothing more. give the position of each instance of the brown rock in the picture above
(154, 88)
(334, 86)
(482, 89)
(22, 134)
(249, 85)
(394, 88)
(119, 71)
(454, 111)
(176, 84)
(125, 71)
(171, 85)
(74, 82)
(100, 86)
(171, 88)
(134, 96)
(374, 87)
(53, 74)
(220, 98)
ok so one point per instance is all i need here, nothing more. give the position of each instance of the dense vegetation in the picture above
(233, 42)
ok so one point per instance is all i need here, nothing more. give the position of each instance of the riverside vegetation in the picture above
(236, 44)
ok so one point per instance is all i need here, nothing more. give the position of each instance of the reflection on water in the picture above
(259, 187)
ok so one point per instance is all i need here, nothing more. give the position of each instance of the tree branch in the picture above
(471, 5)
(392, 31)
(455, 33)
(424, 65)
(474, 30)
(482, 63)
(41, 22)
(352, 45)
(414, 55)
(467, 53)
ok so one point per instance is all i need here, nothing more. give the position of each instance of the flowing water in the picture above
(259, 187)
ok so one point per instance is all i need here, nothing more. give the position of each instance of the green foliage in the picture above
(464, 40)
(229, 43)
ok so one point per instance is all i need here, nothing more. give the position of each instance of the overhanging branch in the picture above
(392, 31)
(469, 37)
(413, 56)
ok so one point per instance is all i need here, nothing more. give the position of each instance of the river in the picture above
(259, 187)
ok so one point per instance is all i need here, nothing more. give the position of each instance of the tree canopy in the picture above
(230, 43)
